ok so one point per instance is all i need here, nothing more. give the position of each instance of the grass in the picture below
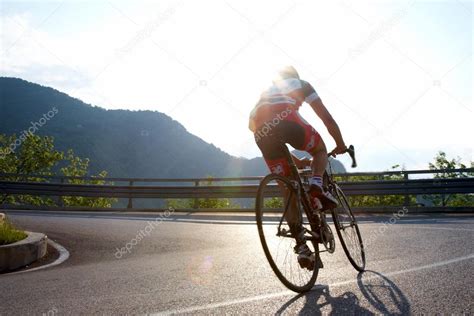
(9, 234)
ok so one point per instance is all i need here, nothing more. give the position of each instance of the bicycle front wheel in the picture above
(348, 231)
(278, 207)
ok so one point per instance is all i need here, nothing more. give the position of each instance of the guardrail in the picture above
(404, 173)
(132, 191)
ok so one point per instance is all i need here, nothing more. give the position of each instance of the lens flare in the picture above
(200, 270)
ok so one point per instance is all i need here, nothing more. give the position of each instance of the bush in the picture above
(9, 234)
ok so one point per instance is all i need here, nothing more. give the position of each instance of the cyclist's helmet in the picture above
(288, 72)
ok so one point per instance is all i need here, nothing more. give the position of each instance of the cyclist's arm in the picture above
(330, 124)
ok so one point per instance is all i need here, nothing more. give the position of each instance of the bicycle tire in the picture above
(264, 238)
(349, 246)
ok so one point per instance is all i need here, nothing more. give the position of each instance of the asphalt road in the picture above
(201, 264)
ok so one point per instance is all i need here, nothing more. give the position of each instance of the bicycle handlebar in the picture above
(351, 151)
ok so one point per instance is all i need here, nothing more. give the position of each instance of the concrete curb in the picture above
(63, 256)
(23, 252)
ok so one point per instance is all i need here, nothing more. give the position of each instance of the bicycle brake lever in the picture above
(351, 151)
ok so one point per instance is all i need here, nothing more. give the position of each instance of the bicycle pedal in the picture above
(306, 263)
(310, 264)
(315, 236)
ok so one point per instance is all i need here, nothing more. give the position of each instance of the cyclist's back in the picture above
(283, 97)
(275, 118)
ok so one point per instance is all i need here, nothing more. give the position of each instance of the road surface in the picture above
(214, 264)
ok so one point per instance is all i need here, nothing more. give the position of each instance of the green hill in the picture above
(125, 143)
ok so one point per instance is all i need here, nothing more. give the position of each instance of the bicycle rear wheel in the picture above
(277, 206)
(348, 231)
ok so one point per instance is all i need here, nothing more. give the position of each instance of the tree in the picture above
(209, 203)
(443, 163)
(78, 167)
(36, 155)
(380, 200)
(214, 202)
(274, 202)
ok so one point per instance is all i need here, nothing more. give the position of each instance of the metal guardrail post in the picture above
(406, 201)
(380, 197)
(130, 203)
(60, 198)
(196, 200)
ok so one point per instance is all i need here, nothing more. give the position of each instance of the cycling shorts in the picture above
(284, 126)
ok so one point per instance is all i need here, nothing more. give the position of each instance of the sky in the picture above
(396, 75)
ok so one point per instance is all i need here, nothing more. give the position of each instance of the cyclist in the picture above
(275, 121)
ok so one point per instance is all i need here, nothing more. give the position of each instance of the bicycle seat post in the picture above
(291, 162)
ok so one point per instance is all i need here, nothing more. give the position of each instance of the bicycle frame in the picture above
(317, 220)
(314, 221)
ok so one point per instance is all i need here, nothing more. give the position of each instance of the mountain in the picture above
(125, 143)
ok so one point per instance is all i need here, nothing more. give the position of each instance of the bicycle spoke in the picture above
(348, 231)
(277, 203)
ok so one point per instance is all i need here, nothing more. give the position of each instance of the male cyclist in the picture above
(275, 121)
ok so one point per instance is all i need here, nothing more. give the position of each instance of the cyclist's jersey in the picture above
(282, 95)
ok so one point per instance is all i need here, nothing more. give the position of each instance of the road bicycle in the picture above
(282, 201)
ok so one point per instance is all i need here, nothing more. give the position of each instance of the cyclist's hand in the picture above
(340, 149)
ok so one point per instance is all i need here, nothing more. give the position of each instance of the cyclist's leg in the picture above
(273, 150)
(304, 137)
(312, 143)
(320, 159)
(292, 133)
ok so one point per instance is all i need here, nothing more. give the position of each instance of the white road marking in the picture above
(63, 256)
(142, 218)
(442, 228)
(290, 293)
(438, 220)
(250, 220)
(212, 221)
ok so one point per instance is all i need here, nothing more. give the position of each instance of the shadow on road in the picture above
(318, 299)
(382, 293)
(378, 295)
